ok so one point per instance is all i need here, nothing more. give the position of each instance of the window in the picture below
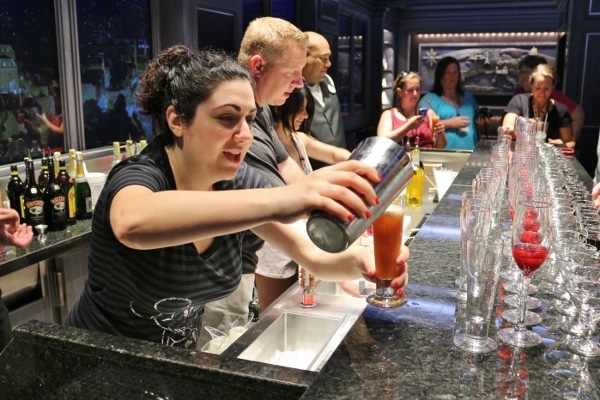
(114, 48)
(29, 99)
(351, 61)
(39, 113)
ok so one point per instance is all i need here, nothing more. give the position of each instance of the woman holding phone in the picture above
(407, 121)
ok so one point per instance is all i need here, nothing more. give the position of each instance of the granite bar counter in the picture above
(404, 353)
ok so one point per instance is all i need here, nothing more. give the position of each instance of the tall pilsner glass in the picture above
(387, 240)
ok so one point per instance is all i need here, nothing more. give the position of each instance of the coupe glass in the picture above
(531, 240)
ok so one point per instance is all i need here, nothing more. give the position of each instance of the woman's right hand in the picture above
(415, 121)
(344, 191)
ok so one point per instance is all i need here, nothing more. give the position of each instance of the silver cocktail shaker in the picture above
(395, 167)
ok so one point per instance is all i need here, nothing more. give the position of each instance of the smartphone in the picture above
(423, 110)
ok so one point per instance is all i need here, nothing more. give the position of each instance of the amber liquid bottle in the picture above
(68, 185)
(54, 202)
(14, 192)
(33, 199)
(414, 190)
(83, 192)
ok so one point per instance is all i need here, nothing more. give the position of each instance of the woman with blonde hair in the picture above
(540, 105)
(404, 122)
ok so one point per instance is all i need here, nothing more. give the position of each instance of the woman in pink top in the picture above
(404, 123)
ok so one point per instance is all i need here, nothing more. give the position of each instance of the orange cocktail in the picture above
(434, 121)
(387, 240)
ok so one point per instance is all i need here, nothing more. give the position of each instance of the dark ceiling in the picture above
(473, 5)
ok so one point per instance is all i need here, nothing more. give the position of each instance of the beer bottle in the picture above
(33, 200)
(414, 190)
(14, 192)
(44, 176)
(83, 192)
(68, 186)
(54, 202)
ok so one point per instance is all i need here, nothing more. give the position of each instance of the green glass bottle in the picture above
(83, 192)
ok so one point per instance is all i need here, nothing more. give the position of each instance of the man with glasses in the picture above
(327, 125)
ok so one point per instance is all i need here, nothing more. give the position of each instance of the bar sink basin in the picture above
(294, 340)
(292, 336)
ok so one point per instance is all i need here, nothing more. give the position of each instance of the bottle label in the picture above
(88, 205)
(72, 206)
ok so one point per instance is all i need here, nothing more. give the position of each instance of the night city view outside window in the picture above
(114, 43)
(114, 48)
(30, 99)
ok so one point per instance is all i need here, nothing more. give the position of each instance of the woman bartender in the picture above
(167, 228)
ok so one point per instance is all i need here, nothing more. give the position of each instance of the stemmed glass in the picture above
(531, 240)
(584, 288)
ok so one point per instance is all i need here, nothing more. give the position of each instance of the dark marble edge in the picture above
(194, 365)
(58, 242)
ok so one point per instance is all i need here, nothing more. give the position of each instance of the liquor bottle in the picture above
(72, 163)
(129, 148)
(307, 283)
(54, 202)
(56, 156)
(33, 199)
(117, 157)
(65, 180)
(414, 190)
(44, 175)
(83, 192)
(143, 144)
(14, 192)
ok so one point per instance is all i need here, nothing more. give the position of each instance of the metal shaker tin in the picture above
(395, 167)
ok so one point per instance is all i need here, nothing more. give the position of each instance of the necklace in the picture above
(541, 113)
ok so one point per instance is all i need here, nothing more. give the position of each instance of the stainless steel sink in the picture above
(294, 340)
(290, 335)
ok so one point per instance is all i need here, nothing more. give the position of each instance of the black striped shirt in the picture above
(159, 294)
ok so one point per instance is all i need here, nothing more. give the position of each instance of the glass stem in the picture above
(523, 310)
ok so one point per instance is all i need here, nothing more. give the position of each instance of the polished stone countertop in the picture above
(13, 259)
(404, 353)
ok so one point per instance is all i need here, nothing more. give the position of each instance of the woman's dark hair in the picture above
(184, 78)
(286, 113)
(440, 70)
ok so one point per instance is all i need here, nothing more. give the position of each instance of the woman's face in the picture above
(301, 116)
(410, 93)
(218, 138)
(541, 89)
(450, 77)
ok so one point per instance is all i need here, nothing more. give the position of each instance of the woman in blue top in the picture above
(457, 109)
(167, 228)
